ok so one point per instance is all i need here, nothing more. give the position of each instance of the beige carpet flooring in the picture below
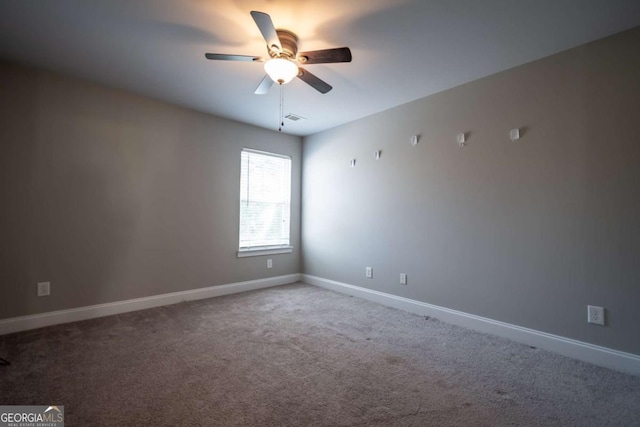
(298, 355)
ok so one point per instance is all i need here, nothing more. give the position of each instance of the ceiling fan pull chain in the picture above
(281, 107)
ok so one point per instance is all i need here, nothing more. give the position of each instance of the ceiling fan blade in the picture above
(224, 57)
(264, 86)
(266, 27)
(325, 56)
(313, 81)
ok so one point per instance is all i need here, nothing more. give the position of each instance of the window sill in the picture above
(264, 251)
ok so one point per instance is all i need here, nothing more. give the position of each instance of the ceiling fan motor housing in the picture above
(289, 43)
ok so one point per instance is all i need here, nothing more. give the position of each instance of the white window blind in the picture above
(265, 200)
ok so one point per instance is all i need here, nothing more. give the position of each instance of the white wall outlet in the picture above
(403, 278)
(352, 163)
(269, 263)
(414, 140)
(369, 273)
(44, 289)
(377, 154)
(462, 139)
(595, 315)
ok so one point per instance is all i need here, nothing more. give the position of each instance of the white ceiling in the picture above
(402, 49)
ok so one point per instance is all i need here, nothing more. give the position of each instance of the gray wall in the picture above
(112, 196)
(525, 232)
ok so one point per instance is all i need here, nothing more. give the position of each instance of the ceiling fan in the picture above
(282, 67)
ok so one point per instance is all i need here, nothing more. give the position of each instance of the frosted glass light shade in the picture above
(281, 70)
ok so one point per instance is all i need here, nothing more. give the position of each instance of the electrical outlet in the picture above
(269, 263)
(403, 278)
(44, 289)
(369, 273)
(595, 315)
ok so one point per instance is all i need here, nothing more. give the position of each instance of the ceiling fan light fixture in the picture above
(281, 70)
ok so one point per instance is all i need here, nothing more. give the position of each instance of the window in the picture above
(265, 203)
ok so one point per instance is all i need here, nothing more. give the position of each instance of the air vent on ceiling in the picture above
(294, 117)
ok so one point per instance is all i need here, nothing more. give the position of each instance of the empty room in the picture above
(274, 213)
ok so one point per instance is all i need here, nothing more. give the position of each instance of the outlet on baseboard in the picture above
(595, 315)
(403, 278)
(368, 272)
(44, 289)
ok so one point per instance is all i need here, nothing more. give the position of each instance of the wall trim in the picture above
(23, 323)
(602, 356)
(591, 353)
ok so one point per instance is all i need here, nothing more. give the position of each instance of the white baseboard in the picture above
(597, 355)
(23, 323)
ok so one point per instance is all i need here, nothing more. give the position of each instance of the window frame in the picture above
(249, 251)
